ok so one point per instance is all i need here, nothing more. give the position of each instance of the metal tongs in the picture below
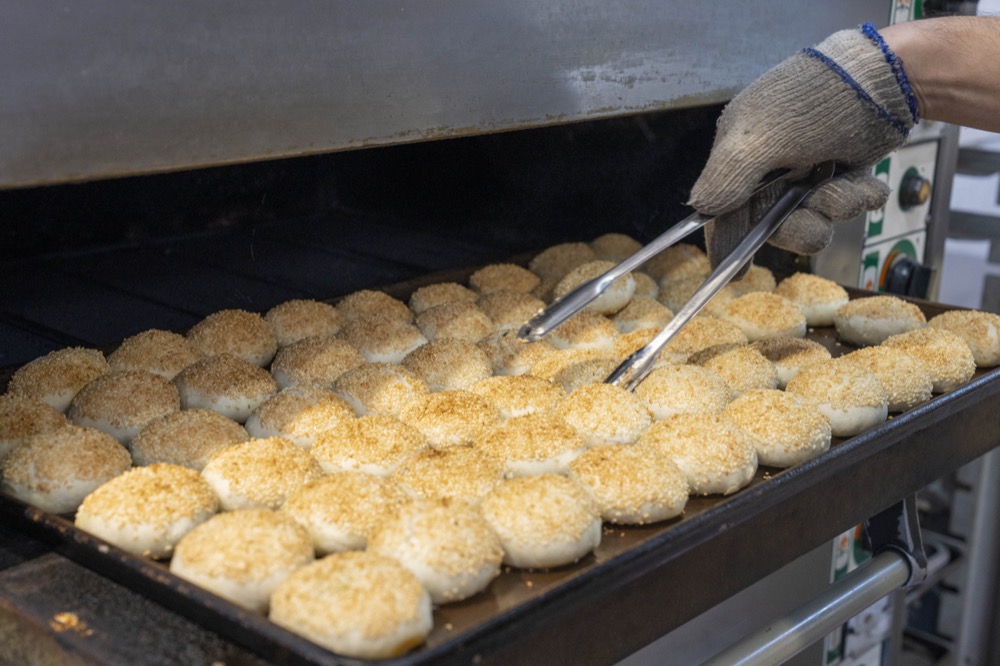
(634, 369)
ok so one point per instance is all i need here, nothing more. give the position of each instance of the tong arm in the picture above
(542, 323)
(634, 369)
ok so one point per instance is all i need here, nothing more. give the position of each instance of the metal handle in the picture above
(567, 306)
(784, 638)
(634, 369)
(559, 311)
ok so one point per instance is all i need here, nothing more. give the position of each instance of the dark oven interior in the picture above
(92, 263)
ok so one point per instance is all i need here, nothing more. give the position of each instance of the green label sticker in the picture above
(876, 218)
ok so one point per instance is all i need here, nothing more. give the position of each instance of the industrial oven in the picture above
(160, 163)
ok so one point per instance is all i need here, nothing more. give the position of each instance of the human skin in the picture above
(953, 65)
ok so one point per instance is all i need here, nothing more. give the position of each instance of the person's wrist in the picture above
(905, 41)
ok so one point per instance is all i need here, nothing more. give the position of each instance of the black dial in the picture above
(914, 189)
(907, 277)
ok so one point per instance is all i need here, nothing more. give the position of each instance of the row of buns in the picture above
(343, 426)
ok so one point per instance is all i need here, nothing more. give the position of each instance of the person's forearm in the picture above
(953, 64)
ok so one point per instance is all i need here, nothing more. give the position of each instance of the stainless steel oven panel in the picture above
(121, 87)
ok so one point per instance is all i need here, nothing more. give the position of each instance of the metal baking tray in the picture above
(641, 582)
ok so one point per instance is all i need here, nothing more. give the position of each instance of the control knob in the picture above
(914, 189)
(905, 276)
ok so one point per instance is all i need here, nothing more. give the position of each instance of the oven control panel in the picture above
(889, 249)
(895, 235)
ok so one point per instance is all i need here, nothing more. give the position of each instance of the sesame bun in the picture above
(225, 384)
(584, 330)
(458, 472)
(642, 312)
(299, 414)
(869, 321)
(509, 310)
(55, 470)
(591, 371)
(716, 457)
(448, 546)
(551, 365)
(189, 437)
(676, 292)
(299, 318)
(379, 388)
(553, 263)
(605, 414)
(431, 295)
(544, 290)
(161, 352)
(785, 430)
(503, 276)
(614, 247)
(789, 355)
(450, 418)
(543, 521)
(980, 330)
(817, 297)
(632, 485)
(320, 361)
(847, 394)
(701, 333)
(242, 556)
(761, 315)
(146, 510)
(945, 354)
(464, 321)
(368, 303)
(259, 473)
(679, 260)
(359, 605)
(120, 403)
(518, 395)
(22, 417)
(742, 366)
(375, 444)
(383, 339)
(757, 279)
(510, 355)
(245, 335)
(645, 285)
(627, 344)
(341, 509)
(56, 377)
(449, 364)
(683, 389)
(533, 444)
(614, 298)
(905, 378)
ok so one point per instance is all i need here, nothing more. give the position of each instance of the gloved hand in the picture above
(847, 100)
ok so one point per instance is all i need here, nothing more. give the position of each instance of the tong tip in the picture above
(530, 333)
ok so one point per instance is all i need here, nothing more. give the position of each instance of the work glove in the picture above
(846, 100)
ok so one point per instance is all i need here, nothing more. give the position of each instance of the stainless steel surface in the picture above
(634, 369)
(542, 324)
(125, 88)
(938, 226)
(841, 260)
(973, 642)
(844, 599)
(769, 598)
